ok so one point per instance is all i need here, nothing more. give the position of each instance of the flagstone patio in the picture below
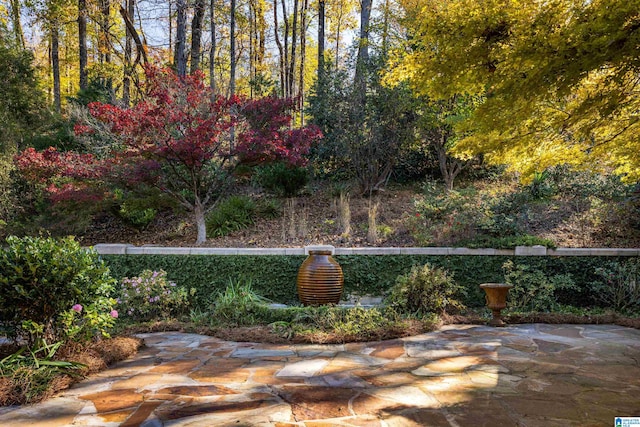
(462, 375)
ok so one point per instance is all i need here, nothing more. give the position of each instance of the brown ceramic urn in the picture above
(320, 280)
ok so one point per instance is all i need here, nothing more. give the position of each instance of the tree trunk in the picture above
(201, 223)
(287, 82)
(212, 52)
(385, 29)
(253, 36)
(321, 22)
(449, 167)
(82, 42)
(363, 46)
(294, 39)
(141, 49)
(104, 48)
(261, 31)
(196, 35)
(303, 57)
(55, 65)
(232, 48)
(180, 54)
(128, 52)
(17, 25)
(280, 47)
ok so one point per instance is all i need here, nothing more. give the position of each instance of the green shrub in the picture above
(55, 286)
(619, 287)
(136, 213)
(269, 208)
(347, 322)
(281, 179)
(510, 242)
(542, 186)
(239, 305)
(152, 296)
(533, 290)
(425, 290)
(233, 214)
(274, 276)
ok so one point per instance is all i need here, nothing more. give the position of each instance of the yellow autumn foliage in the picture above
(559, 79)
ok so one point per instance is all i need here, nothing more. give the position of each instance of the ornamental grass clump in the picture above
(152, 296)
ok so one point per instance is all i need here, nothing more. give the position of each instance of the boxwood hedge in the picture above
(274, 276)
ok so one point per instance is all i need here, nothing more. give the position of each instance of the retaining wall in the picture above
(126, 249)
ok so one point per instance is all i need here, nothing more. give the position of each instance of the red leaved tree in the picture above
(64, 176)
(268, 135)
(175, 140)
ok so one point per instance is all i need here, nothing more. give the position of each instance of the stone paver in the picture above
(462, 375)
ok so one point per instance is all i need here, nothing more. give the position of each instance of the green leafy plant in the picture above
(425, 289)
(510, 242)
(232, 214)
(238, 304)
(281, 179)
(541, 186)
(533, 290)
(151, 295)
(41, 279)
(619, 287)
(268, 208)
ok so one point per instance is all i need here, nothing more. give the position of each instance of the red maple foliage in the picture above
(65, 176)
(177, 140)
(268, 135)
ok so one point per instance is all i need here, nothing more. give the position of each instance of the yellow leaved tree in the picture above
(559, 80)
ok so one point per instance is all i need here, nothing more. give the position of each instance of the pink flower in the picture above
(114, 314)
(77, 308)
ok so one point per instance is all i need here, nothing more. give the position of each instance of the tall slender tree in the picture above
(321, 37)
(180, 51)
(196, 35)
(18, 34)
(212, 50)
(281, 48)
(128, 59)
(82, 42)
(232, 49)
(54, 37)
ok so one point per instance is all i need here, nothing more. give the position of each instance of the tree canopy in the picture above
(558, 79)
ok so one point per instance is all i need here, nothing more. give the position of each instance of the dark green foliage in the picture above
(583, 184)
(274, 276)
(618, 286)
(363, 132)
(22, 103)
(344, 321)
(268, 208)
(140, 207)
(42, 278)
(425, 290)
(535, 289)
(541, 186)
(96, 90)
(239, 305)
(510, 242)
(232, 214)
(281, 179)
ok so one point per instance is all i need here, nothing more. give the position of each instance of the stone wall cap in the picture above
(319, 248)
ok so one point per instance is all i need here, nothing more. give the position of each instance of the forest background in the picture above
(541, 96)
